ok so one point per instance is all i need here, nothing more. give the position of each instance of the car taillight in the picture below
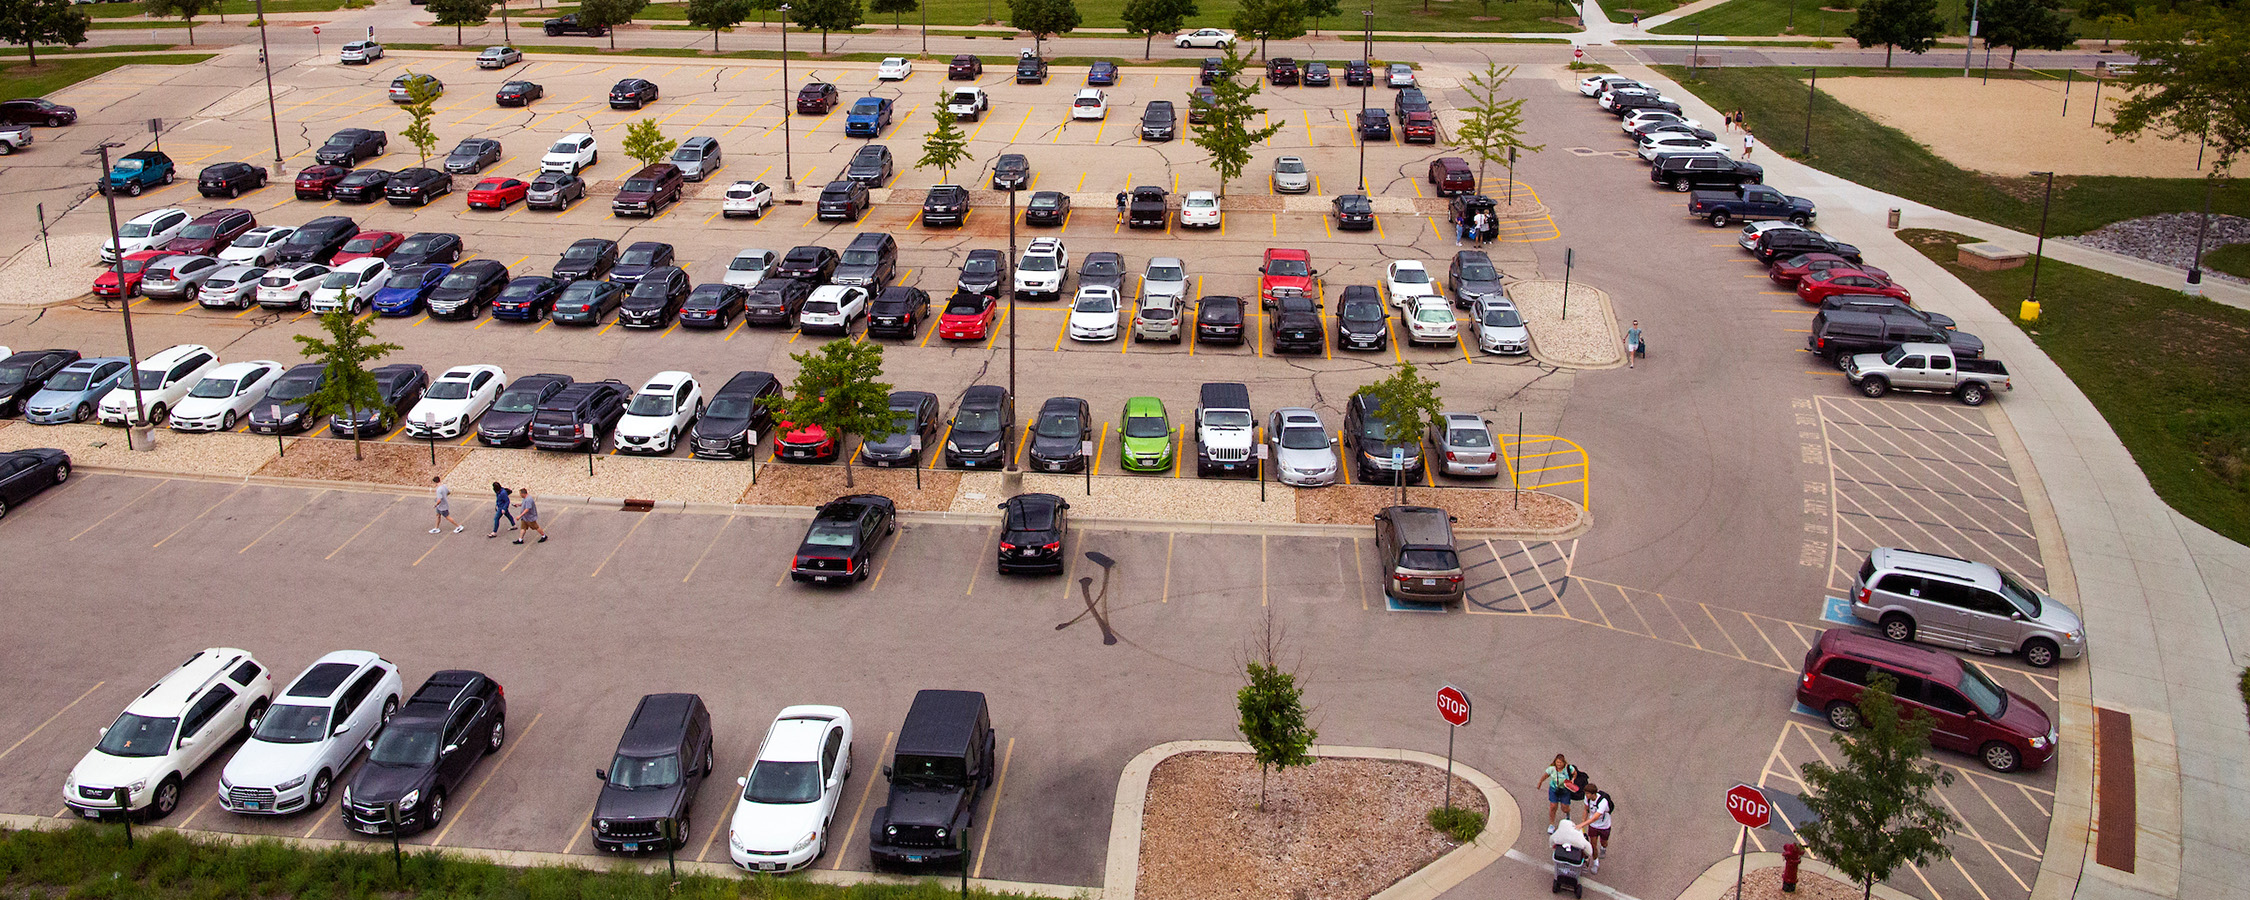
(1450, 457)
(1055, 547)
(1004, 545)
(1866, 596)
(848, 563)
(1806, 679)
(586, 431)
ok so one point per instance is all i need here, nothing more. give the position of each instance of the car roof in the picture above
(657, 724)
(1892, 558)
(795, 737)
(1297, 415)
(171, 355)
(984, 394)
(328, 675)
(1942, 667)
(181, 685)
(152, 215)
(668, 380)
(1145, 406)
(239, 369)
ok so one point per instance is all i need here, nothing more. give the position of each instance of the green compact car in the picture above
(1145, 443)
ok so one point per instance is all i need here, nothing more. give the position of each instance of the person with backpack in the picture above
(1557, 780)
(1598, 809)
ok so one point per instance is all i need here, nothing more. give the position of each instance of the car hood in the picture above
(46, 399)
(266, 764)
(772, 827)
(643, 426)
(98, 769)
(441, 410)
(2059, 617)
(383, 784)
(1469, 288)
(712, 426)
(1304, 459)
(619, 803)
(925, 806)
(1092, 319)
(894, 445)
(1042, 445)
(504, 422)
(198, 407)
(974, 438)
(2025, 717)
(263, 410)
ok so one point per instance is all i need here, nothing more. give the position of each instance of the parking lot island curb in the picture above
(1718, 880)
(1587, 342)
(528, 858)
(1502, 820)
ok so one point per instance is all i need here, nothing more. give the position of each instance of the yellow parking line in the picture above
(489, 774)
(58, 714)
(992, 812)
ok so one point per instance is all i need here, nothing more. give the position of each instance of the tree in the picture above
(35, 22)
(1494, 127)
(946, 146)
(1875, 813)
(609, 14)
(1042, 18)
(1406, 405)
(1226, 133)
(2025, 25)
(836, 389)
(765, 6)
(717, 15)
(1150, 18)
(646, 144)
(187, 10)
(348, 386)
(2189, 86)
(1323, 9)
(896, 8)
(422, 108)
(1909, 25)
(1272, 709)
(828, 15)
(458, 13)
(1278, 20)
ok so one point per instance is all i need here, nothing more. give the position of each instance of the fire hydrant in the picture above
(1790, 854)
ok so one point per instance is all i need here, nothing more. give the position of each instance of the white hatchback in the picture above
(258, 246)
(225, 396)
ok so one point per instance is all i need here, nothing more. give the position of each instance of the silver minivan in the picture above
(1957, 603)
(698, 157)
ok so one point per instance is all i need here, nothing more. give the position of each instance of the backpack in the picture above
(1605, 799)
(1575, 783)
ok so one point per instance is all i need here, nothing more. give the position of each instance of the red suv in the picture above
(1452, 176)
(817, 98)
(1419, 128)
(1285, 273)
(1974, 715)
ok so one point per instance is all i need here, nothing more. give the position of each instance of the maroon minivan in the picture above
(1974, 715)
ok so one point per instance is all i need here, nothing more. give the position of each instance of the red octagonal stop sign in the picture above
(1748, 806)
(1453, 706)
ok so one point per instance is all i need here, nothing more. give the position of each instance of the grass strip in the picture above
(50, 77)
(1390, 15)
(69, 51)
(2233, 259)
(2170, 372)
(93, 862)
(1850, 145)
(1775, 17)
(229, 7)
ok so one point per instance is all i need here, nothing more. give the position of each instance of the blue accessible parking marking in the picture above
(1803, 710)
(1394, 604)
(1838, 611)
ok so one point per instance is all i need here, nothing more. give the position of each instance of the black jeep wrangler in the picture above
(943, 765)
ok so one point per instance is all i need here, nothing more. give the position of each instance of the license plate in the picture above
(631, 846)
(879, 462)
(914, 859)
(89, 813)
(1429, 582)
(251, 804)
(820, 578)
(769, 867)
(368, 829)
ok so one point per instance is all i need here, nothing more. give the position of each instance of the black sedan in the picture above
(586, 258)
(712, 305)
(526, 298)
(229, 179)
(1047, 208)
(1011, 172)
(361, 186)
(1354, 212)
(417, 187)
(24, 473)
(898, 312)
(1316, 75)
(632, 93)
(400, 385)
(426, 247)
(519, 93)
(25, 373)
(1032, 528)
(840, 545)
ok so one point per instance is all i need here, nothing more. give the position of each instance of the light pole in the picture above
(2195, 269)
(504, 24)
(1695, 50)
(265, 60)
(788, 169)
(137, 435)
(1812, 89)
(1008, 281)
(1366, 58)
(2039, 251)
(1969, 50)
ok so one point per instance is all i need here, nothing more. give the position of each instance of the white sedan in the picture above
(749, 267)
(1090, 103)
(1216, 38)
(788, 802)
(308, 737)
(1430, 321)
(1639, 117)
(257, 246)
(1200, 209)
(223, 397)
(831, 308)
(290, 286)
(1093, 315)
(1406, 280)
(360, 277)
(747, 198)
(664, 409)
(894, 68)
(232, 287)
(1666, 143)
(452, 403)
(1500, 328)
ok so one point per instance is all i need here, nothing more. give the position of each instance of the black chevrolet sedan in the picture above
(24, 473)
(839, 546)
(1032, 529)
(518, 93)
(401, 385)
(712, 305)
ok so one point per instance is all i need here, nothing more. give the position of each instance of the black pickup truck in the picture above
(1751, 201)
(1147, 208)
(570, 25)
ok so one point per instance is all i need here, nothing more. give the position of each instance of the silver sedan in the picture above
(1466, 446)
(1301, 450)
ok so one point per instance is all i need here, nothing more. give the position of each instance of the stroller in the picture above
(1571, 851)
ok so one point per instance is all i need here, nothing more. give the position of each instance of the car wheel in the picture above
(1898, 627)
(1874, 386)
(227, 424)
(1719, 219)
(318, 796)
(167, 798)
(3, 507)
(1682, 185)
(55, 123)
(390, 706)
(158, 413)
(1800, 221)
(499, 734)
(1974, 393)
(1843, 716)
(2040, 652)
(6, 148)
(133, 189)
(167, 178)
(2001, 757)
(82, 413)
(437, 809)
(233, 192)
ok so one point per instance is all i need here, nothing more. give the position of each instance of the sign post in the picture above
(751, 436)
(1085, 449)
(1453, 707)
(1398, 470)
(914, 448)
(50, 251)
(1748, 806)
(156, 132)
(1261, 452)
(1569, 256)
(279, 447)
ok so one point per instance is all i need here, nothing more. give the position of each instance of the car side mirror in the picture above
(1261, 270)
(188, 741)
(369, 743)
(101, 732)
(601, 775)
(449, 748)
(999, 506)
(742, 781)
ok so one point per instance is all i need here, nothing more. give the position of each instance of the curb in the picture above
(1609, 320)
(1718, 880)
(1503, 819)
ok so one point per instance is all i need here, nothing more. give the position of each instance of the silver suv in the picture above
(1957, 603)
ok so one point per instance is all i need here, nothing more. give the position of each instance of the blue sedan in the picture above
(406, 290)
(1102, 73)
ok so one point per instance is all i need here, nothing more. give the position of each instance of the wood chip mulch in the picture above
(331, 460)
(1765, 884)
(789, 484)
(1338, 829)
(1356, 504)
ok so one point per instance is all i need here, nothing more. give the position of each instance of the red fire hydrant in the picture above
(1790, 854)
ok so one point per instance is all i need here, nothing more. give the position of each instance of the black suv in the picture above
(1371, 445)
(426, 247)
(1219, 320)
(1295, 326)
(579, 416)
(632, 93)
(1361, 321)
(1047, 208)
(1688, 171)
(946, 204)
(424, 753)
(649, 788)
(639, 259)
(817, 98)
(417, 186)
(508, 422)
(843, 201)
(400, 385)
(775, 301)
(468, 289)
(1281, 70)
(809, 263)
(943, 765)
(898, 312)
(839, 546)
(284, 410)
(351, 146)
(1032, 529)
(870, 165)
(569, 25)
(981, 427)
(1031, 70)
(1060, 435)
(317, 240)
(1011, 172)
(964, 67)
(1374, 125)
(586, 258)
(655, 298)
(1358, 72)
(737, 411)
(230, 179)
(980, 273)
(917, 417)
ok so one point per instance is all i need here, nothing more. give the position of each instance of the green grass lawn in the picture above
(93, 862)
(1771, 17)
(1853, 146)
(2233, 259)
(230, 7)
(62, 73)
(2170, 372)
(66, 51)
(99, 25)
(1390, 15)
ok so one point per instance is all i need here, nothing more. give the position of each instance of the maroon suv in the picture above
(315, 182)
(1452, 176)
(817, 98)
(1973, 715)
(207, 234)
(965, 67)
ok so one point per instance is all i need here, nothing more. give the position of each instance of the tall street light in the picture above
(2040, 250)
(504, 24)
(1366, 58)
(265, 59)
(137, 435)
(1008, 282)
(788, 169)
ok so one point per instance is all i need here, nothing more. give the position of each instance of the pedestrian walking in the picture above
(1636, 21)
(500, 510)
(1633, 347)
(1598, 808)
(1730, 120)
(444, 511)
(1121, 207)
(1740, 120)
(1557, 781)
(1483, 226)
(528, 512)
(1749, 144)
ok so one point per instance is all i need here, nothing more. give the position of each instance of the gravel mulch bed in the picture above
(332, 460)
(1589, 339)
(225, 455)
(629, 477)
(790, 484)
(1357, 504)
(27, 281)
(1765, 884)
(1338, 829)
(1139, 497)
(2168, 239)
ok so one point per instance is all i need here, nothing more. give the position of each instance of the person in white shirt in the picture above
(444, 512)
(1598, 808)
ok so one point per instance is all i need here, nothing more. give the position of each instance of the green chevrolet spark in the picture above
(1146, 444)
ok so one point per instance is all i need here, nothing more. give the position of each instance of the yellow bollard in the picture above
(2030, 311)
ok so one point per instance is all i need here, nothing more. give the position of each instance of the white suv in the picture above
(167, 733)
(362, 277)
(309, 735)
(225, 396)
(165, 379)
(148, 231)
(1039, 275)
(572, 153)
(665, 408)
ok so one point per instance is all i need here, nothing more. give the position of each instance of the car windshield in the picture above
(1227, 418)
(1431, 312)
(730, 406)
(2024, 598)
(1038, 264)
(291, 723)
(1479, 272)
(1303, 437)
(1290, 167)
(641, 185)
(1502, 317)
(584, 293)
(1166, 273)
(406, 745)
(865, 108)
(783, 782)
(1158, 313)
(1988, 697)
(1221, 313)
(861, 257)
(152, 379)
(213, 388)
(648, 404)
(635, 773)
(134, 230)
(976, 420)
(516, 86)
(740, 192)
(448, 389)
(253, 239)
(139, 736)
(71, 380)
(400, 280)
(1096, 303)
(1409, 275)
(970, 305)
(1292, 268)
(343, 140)
(749, 264)
(1058, 426)
(831, 533)
(14, 374)
(293, 388)
(1102, 267)
(688, 153)
(517, 402)
(1467, 437)
(1147, 427)
(1200, 203)
(980, 266)
(127, 165)
(1429, 560)
(1089, 101)
(458, 280)
(340, 278)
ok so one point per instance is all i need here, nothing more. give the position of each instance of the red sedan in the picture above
(369, 243)
(808, 444)
(1785, 272)
(968, 317)
(497, 193)
(132, 266)
(1820, 285)
(315, 182)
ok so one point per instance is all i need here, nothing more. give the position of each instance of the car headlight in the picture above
(949, 445)
(941, 834)
(890, 830)
(601, 825)
(70, 780)
(735, 841)
(2074, 636)
(407, 802)
(804, 842)
(291, 784)
(138, 786)
(291, 418)
(2039, 742)
(347, 793)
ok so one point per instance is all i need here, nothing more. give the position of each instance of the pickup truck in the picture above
(139, 171)
(968, 104)
(1927, 367)
(1751, 201)
(14, 138)
(569, 25)
(1147, 208)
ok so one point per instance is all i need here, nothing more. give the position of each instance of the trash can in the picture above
(2030, 311)
(1894, 218)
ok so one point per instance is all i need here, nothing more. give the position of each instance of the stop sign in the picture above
(1748, 806)
(1453, 706)
(1578, 52)
(316, 29)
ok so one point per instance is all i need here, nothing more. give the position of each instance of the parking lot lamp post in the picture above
(504, 24)
(1366, 58)
(1695, 50)
(2040, 249)
(2195, 268)
(265, 59)
(788, 169)
(1008, 281)
(117, 271)
(1812, 89)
